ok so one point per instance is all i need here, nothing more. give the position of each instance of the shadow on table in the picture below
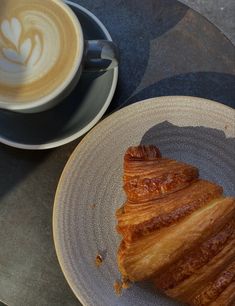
(29, 269)
(16, 164)
(210, 85)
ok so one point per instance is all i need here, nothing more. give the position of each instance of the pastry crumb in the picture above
(126, 283)
(117, 287)
(226, 127)
(98, 260)
(93, 205)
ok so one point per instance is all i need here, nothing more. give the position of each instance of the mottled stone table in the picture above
(166, 49)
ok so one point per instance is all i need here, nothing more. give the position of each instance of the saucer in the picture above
(77, 114)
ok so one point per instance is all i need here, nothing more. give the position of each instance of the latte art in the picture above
(38, 48)
(33, 53)
(26, 53)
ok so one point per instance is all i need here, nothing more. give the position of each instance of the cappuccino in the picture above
(41, 46)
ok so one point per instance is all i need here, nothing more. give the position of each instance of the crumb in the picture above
(98, 260)
(117, 287)
(120, 211)
(93, 206)
(125, 283)
(226, 127)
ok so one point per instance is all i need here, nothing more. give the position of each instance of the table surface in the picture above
(166, 49)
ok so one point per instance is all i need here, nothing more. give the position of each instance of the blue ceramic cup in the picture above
(43, 53)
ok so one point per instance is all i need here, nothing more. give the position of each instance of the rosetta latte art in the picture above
(26, 53)
(39, 49)
(30, 47)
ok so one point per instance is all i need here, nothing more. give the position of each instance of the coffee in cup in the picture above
(41, 53)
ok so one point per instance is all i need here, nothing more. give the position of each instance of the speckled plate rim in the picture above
(96, 119)
(199, 103)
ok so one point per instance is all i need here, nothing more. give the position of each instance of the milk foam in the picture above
(32, 55)
(38, 48)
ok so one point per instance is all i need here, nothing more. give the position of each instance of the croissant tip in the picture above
(142, 152)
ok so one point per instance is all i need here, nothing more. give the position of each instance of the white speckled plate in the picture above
(194, 130)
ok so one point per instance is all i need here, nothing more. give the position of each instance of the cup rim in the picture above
(18, 106)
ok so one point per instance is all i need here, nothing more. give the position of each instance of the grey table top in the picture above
(219, 12)
(29, 272)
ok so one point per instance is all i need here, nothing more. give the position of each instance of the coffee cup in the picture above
(43, 53)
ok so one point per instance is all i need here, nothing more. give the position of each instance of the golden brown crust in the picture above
(164, 212)
(227, 297)
(195, 259)
(169, 176)
(142, 153)
(193, 285)
(213, 290)
(150, 254)
(178, 230)
(148, 176)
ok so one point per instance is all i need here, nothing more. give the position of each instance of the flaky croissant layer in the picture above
(178, 230)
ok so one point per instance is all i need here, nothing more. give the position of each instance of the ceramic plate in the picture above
(78, 113)
(197, 131)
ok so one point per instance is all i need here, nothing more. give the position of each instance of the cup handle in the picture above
(100, 55)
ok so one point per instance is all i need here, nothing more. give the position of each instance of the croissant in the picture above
(177, 230)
